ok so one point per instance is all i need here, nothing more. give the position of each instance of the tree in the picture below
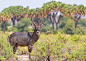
(15, 12)
(4, 17)
(50, 9)
(78, 12)
(75, 12)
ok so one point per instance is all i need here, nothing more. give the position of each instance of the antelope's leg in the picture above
(30, 50)
(14, 49)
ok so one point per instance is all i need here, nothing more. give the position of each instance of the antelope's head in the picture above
(37, 27)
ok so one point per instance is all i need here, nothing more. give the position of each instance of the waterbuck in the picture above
(25, 39)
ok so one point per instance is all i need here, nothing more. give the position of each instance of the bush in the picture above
(62, 24)
(9, 29)
(80, 30)
(58, 46)
(48, 32)
(47, 50)
(55, 47)
(22, 25)
(46, 28)
(6, 25)
(82, 22)
(6, 51)
(69, 27)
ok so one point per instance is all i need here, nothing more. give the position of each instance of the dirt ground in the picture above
(26, 58)
(23, 57)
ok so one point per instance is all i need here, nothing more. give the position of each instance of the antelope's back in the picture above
(20, 38)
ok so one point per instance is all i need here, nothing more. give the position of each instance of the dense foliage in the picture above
(68, 43)
(6, 28)
(52, 47)
(6, 50)
(23, 26)
(58, 47)
(17, 12)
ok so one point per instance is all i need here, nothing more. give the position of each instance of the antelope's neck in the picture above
(35, 37)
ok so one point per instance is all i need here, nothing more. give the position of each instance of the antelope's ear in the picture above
(42, 25)
(32, 26)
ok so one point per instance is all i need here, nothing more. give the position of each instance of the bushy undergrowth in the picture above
(6, 50)
(57, 47)
(50, 47)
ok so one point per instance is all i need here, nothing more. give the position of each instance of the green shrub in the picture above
(22, 26)
(62, 24)
(9, 29)
(46, 28)
(82, 22)
(48, 32)
(22, 50)
(58, 46)
(80, 30)
(6, 25)
(46, 50)
(69, 27)
(6, 50)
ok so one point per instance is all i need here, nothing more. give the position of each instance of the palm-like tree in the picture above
(37, 15)
(50, 11)
(78, 11)
(73, 11)
(4, 17)
(16, 12)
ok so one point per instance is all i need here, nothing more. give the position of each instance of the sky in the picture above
(35, 3)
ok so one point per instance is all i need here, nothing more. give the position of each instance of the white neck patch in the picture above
(38, 32)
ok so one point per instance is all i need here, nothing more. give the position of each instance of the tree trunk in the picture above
(56, 26)
(4, 22)
(60, 17)
(76, 23)
(53, 26)
(53, 21)
(20, 18)
(76, 18)
(49, 16)
(13, 21)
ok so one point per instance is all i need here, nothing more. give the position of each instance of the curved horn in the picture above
(32, 20)
(41, 21)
